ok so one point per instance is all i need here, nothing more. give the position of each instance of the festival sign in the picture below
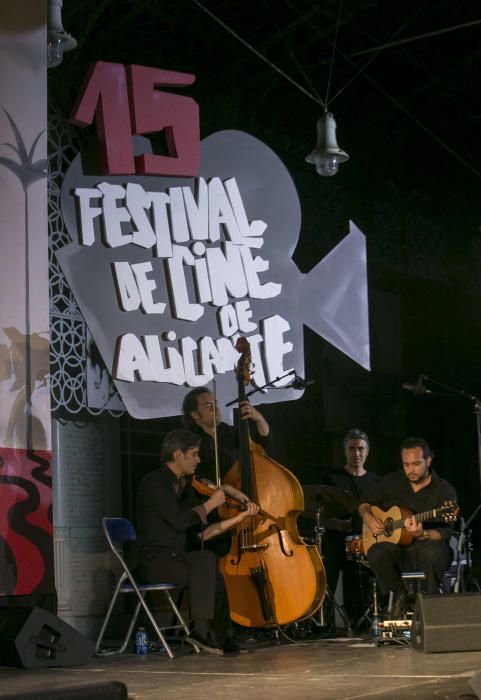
(173, 257)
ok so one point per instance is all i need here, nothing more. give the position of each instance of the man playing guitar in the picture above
(417, 495)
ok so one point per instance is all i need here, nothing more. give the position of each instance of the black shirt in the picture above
(357, 485)
(165, 516)
(228, 445)
(396, 490)
(228, 442)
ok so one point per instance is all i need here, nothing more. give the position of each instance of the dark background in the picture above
(409, 116)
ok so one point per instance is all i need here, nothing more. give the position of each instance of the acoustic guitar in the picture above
(393, 521)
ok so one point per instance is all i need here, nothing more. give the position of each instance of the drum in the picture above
(355, 548)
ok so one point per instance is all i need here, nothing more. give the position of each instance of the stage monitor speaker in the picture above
(447, 622)
(35, 638)
(112, 690)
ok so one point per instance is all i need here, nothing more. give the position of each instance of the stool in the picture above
(413, 580)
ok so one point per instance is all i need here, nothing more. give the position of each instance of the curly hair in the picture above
(179, 439)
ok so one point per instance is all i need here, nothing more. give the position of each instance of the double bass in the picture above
(272, 577)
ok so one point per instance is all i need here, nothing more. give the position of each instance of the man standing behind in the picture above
(172, 525)
(419, 489)
(354, 478)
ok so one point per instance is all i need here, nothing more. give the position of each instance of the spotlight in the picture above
(58, 40)
(327, 155)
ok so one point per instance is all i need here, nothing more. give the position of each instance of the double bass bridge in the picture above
(253, 547)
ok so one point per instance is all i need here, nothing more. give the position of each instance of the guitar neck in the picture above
(418, 517)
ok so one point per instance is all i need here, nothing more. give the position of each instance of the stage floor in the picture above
(336, 669)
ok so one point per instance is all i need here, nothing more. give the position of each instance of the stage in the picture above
(331, 669)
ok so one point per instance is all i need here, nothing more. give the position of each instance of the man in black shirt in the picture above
(172, 525)
(419, 489)
(200, 416)
(354, 478)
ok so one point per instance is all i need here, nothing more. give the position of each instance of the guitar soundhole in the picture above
(388, 528)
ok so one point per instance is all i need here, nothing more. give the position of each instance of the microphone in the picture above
(419, 388)
(300, 383)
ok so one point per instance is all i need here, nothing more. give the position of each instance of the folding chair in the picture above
(119, 531)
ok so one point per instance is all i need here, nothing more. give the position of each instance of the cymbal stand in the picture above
(371, 613)
(319, 531)
(376, 617)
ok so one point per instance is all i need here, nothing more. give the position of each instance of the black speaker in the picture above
(35, 638)
(447, 622)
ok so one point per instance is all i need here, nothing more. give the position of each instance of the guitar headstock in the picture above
(448, 512)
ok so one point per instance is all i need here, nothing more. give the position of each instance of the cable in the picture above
(418, 37)
(334, 45)
(361, 70)
(257, 53)
(294, 58)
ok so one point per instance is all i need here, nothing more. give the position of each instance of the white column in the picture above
(61, 525)
(87, 486)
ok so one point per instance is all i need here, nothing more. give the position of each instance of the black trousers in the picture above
(388, 561)
(199, 572)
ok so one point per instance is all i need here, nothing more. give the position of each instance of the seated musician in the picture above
(354, 478)
(172, 527)
(418, 488)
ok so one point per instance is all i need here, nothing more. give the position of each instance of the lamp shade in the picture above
(58, 40)
(327, 155)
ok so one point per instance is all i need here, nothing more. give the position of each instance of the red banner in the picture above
(26, 544)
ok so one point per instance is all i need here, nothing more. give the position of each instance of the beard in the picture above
(415, 479)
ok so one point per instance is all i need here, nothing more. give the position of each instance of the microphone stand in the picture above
(476, 410)
(264, 386)
(465, 534)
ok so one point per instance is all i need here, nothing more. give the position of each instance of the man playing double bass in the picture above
(420, 490)
(272, 576)
(201, 415)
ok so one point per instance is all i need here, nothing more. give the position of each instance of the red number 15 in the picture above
(125, 101)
